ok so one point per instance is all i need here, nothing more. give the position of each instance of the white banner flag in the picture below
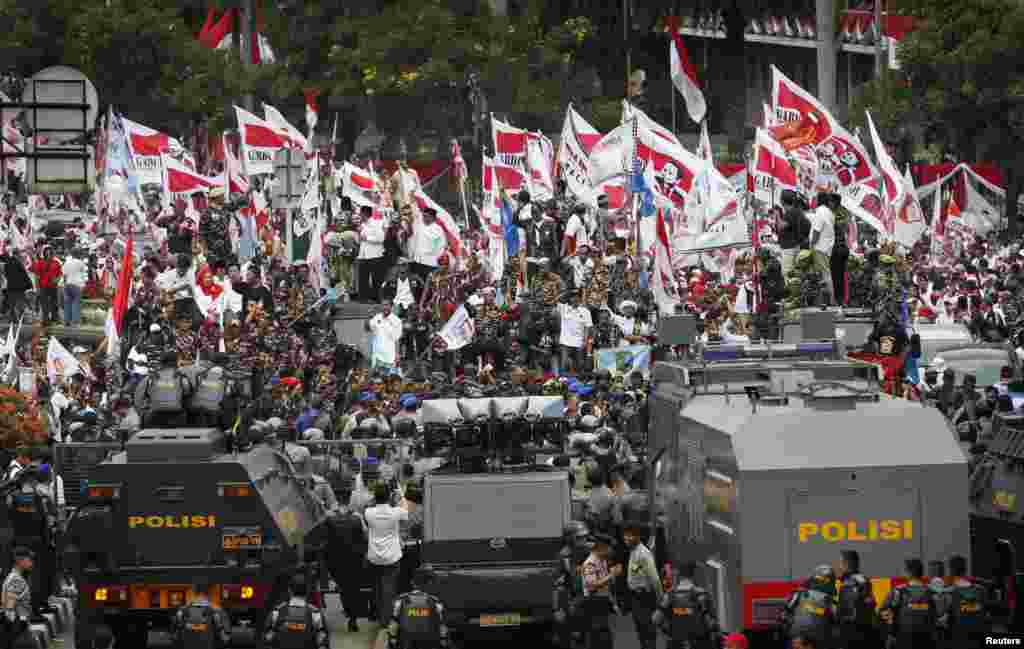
(459, 330)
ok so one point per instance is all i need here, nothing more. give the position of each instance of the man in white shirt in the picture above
(384, 546)
(578, 230)
(372, 234)
(581, 265)
(386, 328)
(75, 275)
(575, 329)
(634, 331)
(427, 244)
(823, 237)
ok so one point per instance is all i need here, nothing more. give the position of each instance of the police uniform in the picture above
(810, 611)
(201, 625)
(686, 616)
(856, 612)
(417, 622)
(297, 624)
(16, 598)
(32, 516)
(914, 609)
(568, 587)
(205, 405)
(965, 610)
(162, 396)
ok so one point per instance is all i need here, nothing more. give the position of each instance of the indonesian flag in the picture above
(892, 182)
(510, 148)
(146, 146)
(444, 219)
(260, 143)
(491, 219)
(181, 182)
(704, 149)
(293, 137)
(574, 147)
(357, 184)
(684, 76)
(312, 112)
(646, 124)
(772, 170)
(235, 181)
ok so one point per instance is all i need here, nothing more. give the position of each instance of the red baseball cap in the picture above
(735, 641)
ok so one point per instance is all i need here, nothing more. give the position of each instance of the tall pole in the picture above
(248, 29)
(879, 53)
(625, 43)
(825, 10)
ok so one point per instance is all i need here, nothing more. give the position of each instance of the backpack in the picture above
(853, 607)
(165, 393)
(813, 612)
(198, 629)
(967, 611)
(210, 391)
(917, 610)
(295, 628)
(418, 622)
(687, 615)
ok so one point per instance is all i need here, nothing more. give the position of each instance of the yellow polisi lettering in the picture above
(184, 521)
(863, 530)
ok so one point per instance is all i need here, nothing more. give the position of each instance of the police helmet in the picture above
(275, 424)
(589, 423)
(368, 425)
(313, 435)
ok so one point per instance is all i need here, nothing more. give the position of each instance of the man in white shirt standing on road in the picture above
(75, 276)
(823, 237)
(426, 245)
(384, 546)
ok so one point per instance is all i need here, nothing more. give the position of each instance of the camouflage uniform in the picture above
(595, 293)
(186, 342)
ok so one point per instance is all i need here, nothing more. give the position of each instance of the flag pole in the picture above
(465, 204)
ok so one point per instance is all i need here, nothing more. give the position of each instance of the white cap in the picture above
(153, 328)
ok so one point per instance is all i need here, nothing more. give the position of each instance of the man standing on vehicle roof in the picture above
(911, 610)
(297, 624)
(686, 614)
(201, 625)
(856, 604)
(644, 585)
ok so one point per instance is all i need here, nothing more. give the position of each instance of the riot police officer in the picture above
(321, 487)
(417, 622)
(201, 625)
(33, 517)
(810, 611)
(686, 614)
(856, 604)
(966, 610)
(210, 383)
(297, 624)
(912, 610)
(162, 394)
(568, 591)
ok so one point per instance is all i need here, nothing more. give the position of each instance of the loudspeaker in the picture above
(817, 325)
(677, 330)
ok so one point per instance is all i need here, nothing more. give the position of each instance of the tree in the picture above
(419, 53)
(966, 89)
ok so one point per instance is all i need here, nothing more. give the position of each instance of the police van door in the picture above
(718, 591)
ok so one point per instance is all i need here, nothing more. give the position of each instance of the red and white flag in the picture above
(910, 223)
(312, 112)
(684, 76)
(772, 170)
(892, 182)
(540, 160)
(216, 33)
(294, 138)
(146, 146)
(663, 283)
(260, 143)
(180, 182)
(510, 149)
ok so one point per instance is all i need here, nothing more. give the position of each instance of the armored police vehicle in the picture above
(493, 517)
(175, 506)
(769, 467)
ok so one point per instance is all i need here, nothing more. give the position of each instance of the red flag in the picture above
(124, 287)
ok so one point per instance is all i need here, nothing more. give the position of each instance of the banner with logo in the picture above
(624, 360)
(459, 330)
(60, 362)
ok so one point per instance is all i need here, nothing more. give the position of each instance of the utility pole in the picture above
(625, 44)
(879, 52)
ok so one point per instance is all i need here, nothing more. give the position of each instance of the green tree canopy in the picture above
(961, 83)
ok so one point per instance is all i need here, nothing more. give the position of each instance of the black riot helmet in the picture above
(589, 423)
(575, 533)
(298, 585)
